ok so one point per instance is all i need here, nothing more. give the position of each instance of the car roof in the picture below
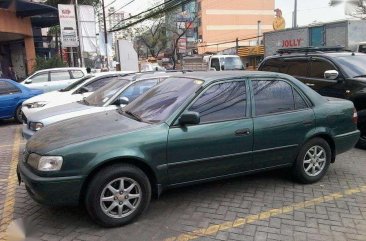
(63, 68)
(326, 54)
(210, 76)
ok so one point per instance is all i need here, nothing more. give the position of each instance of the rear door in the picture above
(326, 87)
(10, 95)
(59, 79)
(281, 117)
(221, 144)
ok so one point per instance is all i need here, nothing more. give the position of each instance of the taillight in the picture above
(355, 116)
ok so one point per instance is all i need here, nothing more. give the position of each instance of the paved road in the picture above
(266, 206)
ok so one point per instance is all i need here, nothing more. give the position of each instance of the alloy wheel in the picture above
(314, 161)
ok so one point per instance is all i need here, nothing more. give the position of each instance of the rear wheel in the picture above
(313, 161)
(18, 114)
(117, 195)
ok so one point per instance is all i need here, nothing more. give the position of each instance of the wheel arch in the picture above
(137, 162)
(328, 138)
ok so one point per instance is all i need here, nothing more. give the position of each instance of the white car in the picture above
(112, 96)
(54, 79)
(72, 93)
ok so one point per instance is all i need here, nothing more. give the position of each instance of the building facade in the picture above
(220, 23)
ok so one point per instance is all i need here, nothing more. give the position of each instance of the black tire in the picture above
(18, 114)
(361, 125)
(98, 186)
(299, 167)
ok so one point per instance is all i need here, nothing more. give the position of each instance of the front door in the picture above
(221, 144)
(281, 120)
(9, 98)
(326, 87)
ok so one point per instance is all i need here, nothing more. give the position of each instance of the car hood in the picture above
(50, 96)
(58, 110)
(81, 129)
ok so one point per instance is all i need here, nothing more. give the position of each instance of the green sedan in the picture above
(194, 127)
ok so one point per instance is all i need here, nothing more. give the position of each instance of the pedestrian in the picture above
(11, 73)
(88, 70)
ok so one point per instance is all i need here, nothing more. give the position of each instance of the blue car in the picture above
(12, 95)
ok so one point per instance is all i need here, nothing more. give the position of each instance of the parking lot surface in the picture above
(265, 206)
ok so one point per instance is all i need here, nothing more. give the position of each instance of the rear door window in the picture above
(60, 75)
(272, 96)
(297, 67)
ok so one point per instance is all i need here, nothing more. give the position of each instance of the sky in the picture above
(309, 11)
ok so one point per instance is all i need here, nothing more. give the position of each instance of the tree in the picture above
(154, 36)
(354, 8)
(177, 34)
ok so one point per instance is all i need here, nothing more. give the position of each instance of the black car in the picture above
(331, 72)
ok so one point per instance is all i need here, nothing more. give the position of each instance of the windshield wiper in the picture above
(136, 117)
(360, 76)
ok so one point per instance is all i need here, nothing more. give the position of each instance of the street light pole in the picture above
(105, 34)
(258, 31)
(295, 15)
(78, 25)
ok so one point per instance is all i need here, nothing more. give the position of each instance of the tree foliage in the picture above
(54, 62)
(354, 8)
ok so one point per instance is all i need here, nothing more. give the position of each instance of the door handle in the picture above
(242, 132)
(309, 84)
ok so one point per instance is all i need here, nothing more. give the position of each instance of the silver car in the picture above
(113, 95)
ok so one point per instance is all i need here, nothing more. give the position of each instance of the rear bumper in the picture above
(347, 141)
(52, 191)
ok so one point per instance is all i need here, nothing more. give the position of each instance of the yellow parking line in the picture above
(10, 145)
(213, 229)
(8, 207)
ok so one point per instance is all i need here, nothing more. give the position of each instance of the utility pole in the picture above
(258, 31)
(295, 15)
(78, 26)
(105, 34)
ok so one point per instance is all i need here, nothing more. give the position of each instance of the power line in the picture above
(150, 15)
(146, 11)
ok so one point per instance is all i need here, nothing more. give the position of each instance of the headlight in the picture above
(35, 126)
(45, 163)
(36, 104)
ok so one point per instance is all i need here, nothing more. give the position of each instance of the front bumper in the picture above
(52, 191)
(347, 141)
(26, 132)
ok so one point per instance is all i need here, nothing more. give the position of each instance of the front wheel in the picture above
(313, 161)
(117, 195)
(18, 114)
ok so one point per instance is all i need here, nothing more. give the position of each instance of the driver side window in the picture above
(40, 78)
(215, 63)
(222, 102)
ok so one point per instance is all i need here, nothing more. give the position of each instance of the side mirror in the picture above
(28, 81)
(189, 118)
(331, 74)
(122, 101)
(222, 67)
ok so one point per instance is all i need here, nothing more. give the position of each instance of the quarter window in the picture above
(299, 101)
(318, 67)
(63, 75)
(225, 101)
(272, 97)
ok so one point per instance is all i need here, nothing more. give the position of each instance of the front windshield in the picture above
(160, 102)
(353, 65)
(232, 63)
(76, 83)
(102, 95)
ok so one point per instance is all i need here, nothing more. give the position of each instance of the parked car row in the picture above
(143, 133)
